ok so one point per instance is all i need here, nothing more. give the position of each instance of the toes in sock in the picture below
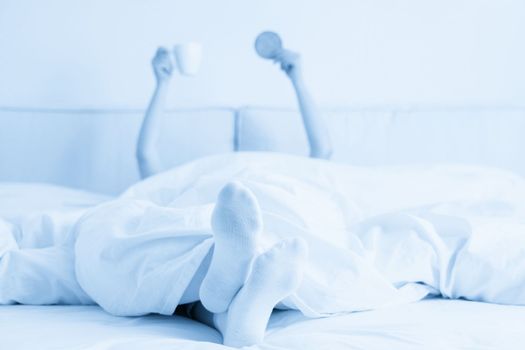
(236, 224)
(275, 275)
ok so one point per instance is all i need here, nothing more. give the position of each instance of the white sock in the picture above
(275, 275)
(236, 224)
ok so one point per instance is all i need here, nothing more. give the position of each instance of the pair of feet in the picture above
(241, 288)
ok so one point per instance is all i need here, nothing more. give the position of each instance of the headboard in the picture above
(95, 149)
(395, 136)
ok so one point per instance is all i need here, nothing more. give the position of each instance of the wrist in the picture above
(297, 81)
(162, 84)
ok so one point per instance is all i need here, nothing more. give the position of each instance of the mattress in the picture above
(429, 324)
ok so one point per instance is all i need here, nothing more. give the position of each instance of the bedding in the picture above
(457, 231)
(429, 324)
(34, 221)
(18, 200)
(393, 235)
(28, 213)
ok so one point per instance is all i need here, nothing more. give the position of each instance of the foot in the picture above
(236, 224)
(275, 275)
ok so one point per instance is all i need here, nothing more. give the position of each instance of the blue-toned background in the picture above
(96, 53)
(400, 82)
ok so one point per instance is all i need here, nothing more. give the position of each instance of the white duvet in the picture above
(377, 236)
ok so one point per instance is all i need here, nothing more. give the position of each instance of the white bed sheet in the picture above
(21, 199)
(429, 324)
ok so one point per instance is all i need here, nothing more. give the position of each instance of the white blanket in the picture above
(376, 236)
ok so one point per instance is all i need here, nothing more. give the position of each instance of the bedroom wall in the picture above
(95, 54)
(75, 77)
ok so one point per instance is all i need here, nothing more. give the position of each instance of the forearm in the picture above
(314, 123)
(147, 153)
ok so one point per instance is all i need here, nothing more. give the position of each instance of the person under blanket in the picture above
(148, 159)
(282, 235)
(238, 287)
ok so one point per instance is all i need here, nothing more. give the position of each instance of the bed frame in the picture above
(94, 149)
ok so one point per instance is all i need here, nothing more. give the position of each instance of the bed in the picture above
(489, 137)
(429, 324)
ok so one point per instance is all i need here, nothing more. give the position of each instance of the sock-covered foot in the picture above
(236, 224)
(275, 275)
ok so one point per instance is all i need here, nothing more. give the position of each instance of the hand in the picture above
(162, 66)
(290, 63)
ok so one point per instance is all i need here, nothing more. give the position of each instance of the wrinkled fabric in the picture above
(376, 236)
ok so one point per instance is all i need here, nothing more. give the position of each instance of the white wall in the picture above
(95, 53)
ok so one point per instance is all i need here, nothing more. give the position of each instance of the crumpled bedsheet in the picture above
(377, 236)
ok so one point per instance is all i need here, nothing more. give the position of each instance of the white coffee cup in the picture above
(188, 57)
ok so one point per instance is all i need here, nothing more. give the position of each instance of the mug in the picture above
(188, 57)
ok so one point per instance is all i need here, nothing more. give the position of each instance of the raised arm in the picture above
(314, 123)
(147, 153)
